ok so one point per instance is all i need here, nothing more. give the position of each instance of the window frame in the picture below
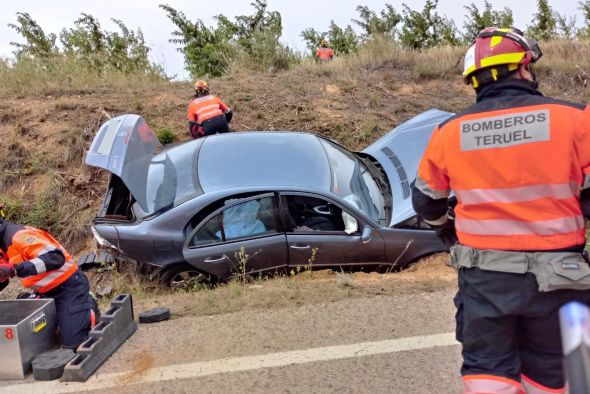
(218, 212)
(285, 214)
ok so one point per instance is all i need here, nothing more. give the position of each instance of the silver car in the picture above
(258, 202)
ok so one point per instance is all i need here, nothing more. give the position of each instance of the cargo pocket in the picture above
(563, 271)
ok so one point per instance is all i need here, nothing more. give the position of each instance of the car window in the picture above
(352, 181)
(244, 220)
(311, 214)
(209, 233)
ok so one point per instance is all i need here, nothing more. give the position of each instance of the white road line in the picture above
(238, 364)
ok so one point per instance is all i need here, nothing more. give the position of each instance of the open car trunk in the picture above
(399, 153)
(124, 146)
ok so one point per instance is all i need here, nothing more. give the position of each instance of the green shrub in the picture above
(165, 135)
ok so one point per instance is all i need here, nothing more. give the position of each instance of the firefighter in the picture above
(44, 266)
(324, 52)
(519, 166)
(207, 114)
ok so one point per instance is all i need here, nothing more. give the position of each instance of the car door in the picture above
(320, 233)
(245, 235)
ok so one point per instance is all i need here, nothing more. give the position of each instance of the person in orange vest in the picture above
(207, 114)
(324, 52)
(44, 266)
(518, 164)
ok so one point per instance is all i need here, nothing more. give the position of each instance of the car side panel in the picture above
(405, 246)
(334, 250)
(224, 260)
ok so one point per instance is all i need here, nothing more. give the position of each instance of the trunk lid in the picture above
(125, 146)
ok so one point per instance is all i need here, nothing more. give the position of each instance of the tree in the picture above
(427, 29)
(38, 45)
(208, 50)
(204, 49)
(544, 23)
(584, 32)
(477, 20)
(342, 41)
(89, 43)
(373, 24)
(566, 27)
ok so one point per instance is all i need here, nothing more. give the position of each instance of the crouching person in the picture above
(44, 266)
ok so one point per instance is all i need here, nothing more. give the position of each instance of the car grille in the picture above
(401, 173)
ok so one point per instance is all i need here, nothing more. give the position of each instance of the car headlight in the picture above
(100, 239)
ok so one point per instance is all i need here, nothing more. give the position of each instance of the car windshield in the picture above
(352, 180)
(172, 178)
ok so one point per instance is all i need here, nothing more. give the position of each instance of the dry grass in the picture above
(65, 76)
(380, 53)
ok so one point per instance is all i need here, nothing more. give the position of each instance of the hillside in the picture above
(353, 100)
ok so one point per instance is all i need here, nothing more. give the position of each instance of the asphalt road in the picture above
(383, 344)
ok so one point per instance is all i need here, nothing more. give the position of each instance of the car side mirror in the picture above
(367, 234)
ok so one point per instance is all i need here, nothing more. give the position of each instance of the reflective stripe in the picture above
(518, 194)
(207, 108)
(430, 192)
(532, 387)
(39, 265)
(478, 384)
(516, 227)
(437, 222)
(53, 275)
(210, 114)
(204, 98)
(47, 249)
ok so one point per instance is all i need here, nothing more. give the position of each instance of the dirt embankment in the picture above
(44, 183)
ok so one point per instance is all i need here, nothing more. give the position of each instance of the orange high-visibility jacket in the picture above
(204, 108)
(324, 53)
(517, 162)
(44, 262)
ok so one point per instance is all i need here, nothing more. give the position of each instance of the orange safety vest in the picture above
(324, 53)
(204, 108)
(27, 245)
(517, 174)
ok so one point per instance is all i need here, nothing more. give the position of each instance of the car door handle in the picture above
(299, 246)
(215, 259)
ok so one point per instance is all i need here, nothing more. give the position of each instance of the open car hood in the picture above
(125, 146)
(399, 152)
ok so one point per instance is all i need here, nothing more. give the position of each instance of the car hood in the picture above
(399, 152)
(125, 146)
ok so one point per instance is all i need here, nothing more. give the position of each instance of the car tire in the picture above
(183, 276)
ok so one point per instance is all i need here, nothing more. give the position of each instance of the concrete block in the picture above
(50, 365)
(154, 315)
(116, 326)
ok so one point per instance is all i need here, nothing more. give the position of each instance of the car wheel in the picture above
(183, 277)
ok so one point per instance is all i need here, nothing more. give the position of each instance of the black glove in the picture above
(3, 285)
(7, 271)
(446, 232)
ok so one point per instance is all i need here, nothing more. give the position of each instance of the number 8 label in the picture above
(9, 334)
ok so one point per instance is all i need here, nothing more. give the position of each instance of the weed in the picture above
(76, 142)
(242, 259)
(166, 135)
(344, 280)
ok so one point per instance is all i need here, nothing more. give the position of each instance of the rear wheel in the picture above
(183, 276)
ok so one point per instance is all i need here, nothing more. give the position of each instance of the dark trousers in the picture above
(215, 125)
(73, 303)
(508, 328)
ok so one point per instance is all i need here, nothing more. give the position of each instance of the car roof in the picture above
(273, 159)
